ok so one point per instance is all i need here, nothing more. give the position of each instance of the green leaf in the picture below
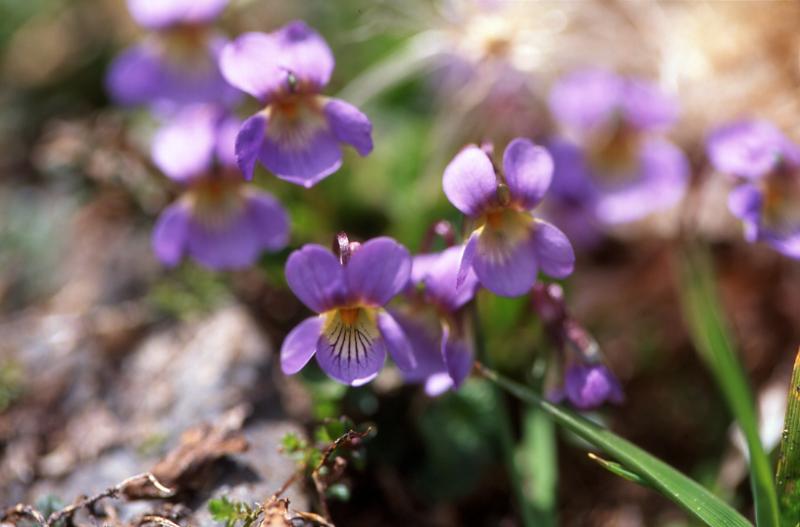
(788, 475)
(712, 340)
(690, 495)
(290, 442)
(222, 509)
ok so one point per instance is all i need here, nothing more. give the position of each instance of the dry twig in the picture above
(22, 510)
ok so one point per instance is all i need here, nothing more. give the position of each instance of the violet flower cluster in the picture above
(430, 335)
(765, 167)
(191, 76)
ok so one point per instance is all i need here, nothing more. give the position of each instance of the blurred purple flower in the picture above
(220, 221)
(509, 246)
(621, 171)
(766, 165)
(352, 332)
(439, 334)
(175, 65)
(298, 135)
(589, 386)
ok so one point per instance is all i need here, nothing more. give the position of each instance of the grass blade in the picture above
(712, 339)
(788, 475)
(689, 494)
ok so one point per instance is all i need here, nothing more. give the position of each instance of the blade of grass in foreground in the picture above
(789, 463)
(671, 483)
(712, 339)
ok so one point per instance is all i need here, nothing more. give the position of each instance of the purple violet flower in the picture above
(435, 324)
(588, 386)
(766, 165)
(508, 246)
(298, 134)
(628, 171)
(219, 220)
(352, 331)
(175, 65)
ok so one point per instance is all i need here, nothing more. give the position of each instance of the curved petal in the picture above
(589, 99)
(528, 170)
(146, 74)
(185, 146)
(349, 125)
(439, 273)
(748, 149)
(583, 100)
(378, 270)
(248, 62)
(265, 65)
(249, 142)
(268, 220)
(744, 201)
(553, 250)
(300, 344)
(467, 257)
(316, 277)
(572, 182)
(786, 244)
(646, 106)
(227, 132)
(169, 234)
(232, 244)
(396, 342)
(303, 163)
(351, 354)
(506, 268)
(469, 181)
(134, 75)
(161, 14)
(660, 183)
(459, 356)
(304, 53)
(423, 333)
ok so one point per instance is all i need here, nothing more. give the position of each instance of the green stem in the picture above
(505, 434)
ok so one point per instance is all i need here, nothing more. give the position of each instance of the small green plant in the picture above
(233, 513)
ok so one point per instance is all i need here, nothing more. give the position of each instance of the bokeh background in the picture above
(106, 357)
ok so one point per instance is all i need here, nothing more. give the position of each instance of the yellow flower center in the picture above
(502, 230)
(295, 118)
(351, 331)
(613, 152)
(781, 191)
